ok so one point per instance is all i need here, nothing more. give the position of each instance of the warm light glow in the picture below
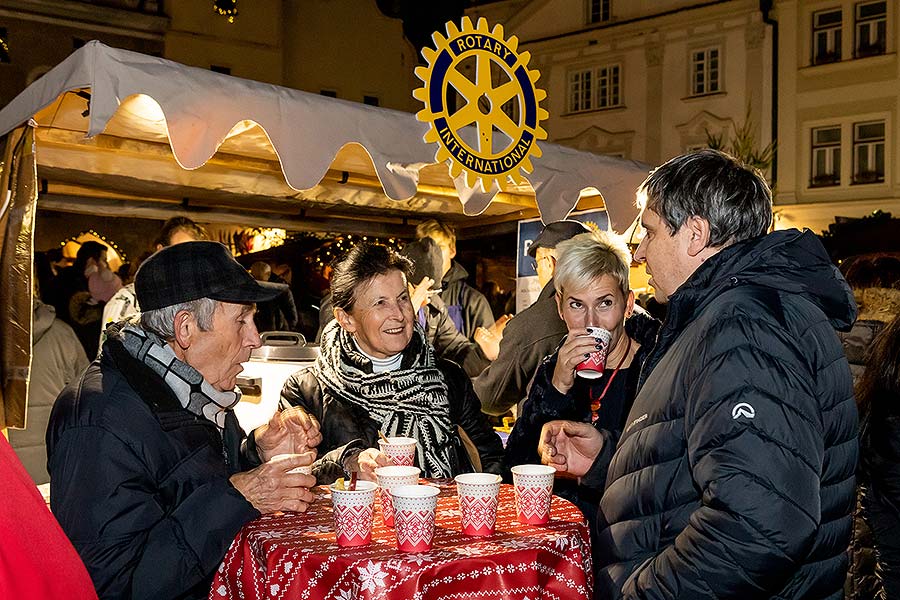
(144, 107)
(266, 238)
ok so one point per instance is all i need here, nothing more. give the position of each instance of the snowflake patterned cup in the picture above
(401, 450)
(353, 511)
(391, 477)
(534, 489)
(477, 493)
(414, 516)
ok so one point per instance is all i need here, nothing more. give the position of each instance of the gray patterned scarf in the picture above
(193, 392)
(411, 401)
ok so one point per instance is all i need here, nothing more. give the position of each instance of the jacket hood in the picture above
(43, 319)
(790, 261)
(456, 273)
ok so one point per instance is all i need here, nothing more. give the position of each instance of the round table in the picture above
(294, 556)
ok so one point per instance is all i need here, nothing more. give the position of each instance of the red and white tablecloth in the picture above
(295, 557)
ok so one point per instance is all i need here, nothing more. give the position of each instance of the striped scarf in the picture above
(194, 393)
(411, 401)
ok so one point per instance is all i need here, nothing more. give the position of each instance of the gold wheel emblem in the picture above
(503, 141)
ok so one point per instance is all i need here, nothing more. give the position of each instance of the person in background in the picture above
(532, 334)
(123, 305)
(72, 299)
(37, 561)
(592, 290)
(57, 358)
(467, 307)
(279, 314)
(378, 373)
(734, 477)
(151, 475)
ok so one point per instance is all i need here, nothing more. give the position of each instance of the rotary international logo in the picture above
(475, 77)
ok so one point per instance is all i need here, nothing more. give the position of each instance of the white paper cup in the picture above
(389, 478)
(401, 450)
(414, 516)
(305, 469)
(477, 494)
(353, 511)
(534, 489)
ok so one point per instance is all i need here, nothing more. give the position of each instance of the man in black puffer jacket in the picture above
(734, 477)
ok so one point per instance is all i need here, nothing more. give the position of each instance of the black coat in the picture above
(473, 308)
(529, 337)
(347, 428)
(734, 476)
(140, 485)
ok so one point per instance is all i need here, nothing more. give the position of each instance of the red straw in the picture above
(352, 486)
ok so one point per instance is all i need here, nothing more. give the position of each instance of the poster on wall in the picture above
(527, 287)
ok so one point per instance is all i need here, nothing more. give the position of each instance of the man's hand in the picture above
(270, 488)
(569, 446)
(291, 431)
(366, 462)
(499, 325)
(418, 294)
(578, 345)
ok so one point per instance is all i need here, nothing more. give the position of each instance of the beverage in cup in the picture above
(353, 511)
(534, 489)
(401, 450)
(389, 478)
(592, 366)
(414, 516)
(477, 494)
(305, 469)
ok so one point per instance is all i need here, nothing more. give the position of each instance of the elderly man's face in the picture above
(218, 353)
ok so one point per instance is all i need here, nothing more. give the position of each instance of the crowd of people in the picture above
(715, 453)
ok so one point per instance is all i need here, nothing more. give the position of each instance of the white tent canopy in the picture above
(121, 129)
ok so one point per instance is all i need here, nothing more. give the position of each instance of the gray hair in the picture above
(589, 256)
(733, 197)
(162, 320)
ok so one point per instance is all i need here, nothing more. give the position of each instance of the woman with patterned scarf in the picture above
(377, 372)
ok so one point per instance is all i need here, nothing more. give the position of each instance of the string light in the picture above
(99, 236)
(226, 8)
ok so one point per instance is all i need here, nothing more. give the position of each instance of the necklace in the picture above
(597, 402)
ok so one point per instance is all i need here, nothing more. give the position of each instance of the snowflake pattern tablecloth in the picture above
(295, 557)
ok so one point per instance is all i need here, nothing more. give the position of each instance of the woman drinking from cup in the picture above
(592, 377)
(377, 372)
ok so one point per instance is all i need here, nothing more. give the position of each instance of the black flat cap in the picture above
(194, 270)
(554, 233)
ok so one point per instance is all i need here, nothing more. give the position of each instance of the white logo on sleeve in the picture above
(743, 409)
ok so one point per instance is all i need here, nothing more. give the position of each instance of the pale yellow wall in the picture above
(323, 37)
(251, 46)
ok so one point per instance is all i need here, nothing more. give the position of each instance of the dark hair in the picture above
(733, 197)
(878, 393)
(176, 224)
(872, 270)
(88, 250)
(363, 262)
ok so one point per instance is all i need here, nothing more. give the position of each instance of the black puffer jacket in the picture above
(140, 485)
(734, 477)
(347, 429)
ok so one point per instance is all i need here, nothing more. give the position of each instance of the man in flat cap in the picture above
(532, 334)
(151, 475)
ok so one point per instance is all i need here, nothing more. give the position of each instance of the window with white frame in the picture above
(871, 28)
(598, 11)
(826, 36)
(826, 156)
(580, 90)
(591, 89)
(705, 71)
(608, 86)
(868, 152)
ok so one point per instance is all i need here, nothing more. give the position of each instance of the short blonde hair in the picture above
(438, 231)
(589, 256)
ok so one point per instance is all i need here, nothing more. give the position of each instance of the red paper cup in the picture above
(353, 512)
(592, 367)
(391, 477)
(477, 494)
(401, 450)
(414, 516)
(534, 489)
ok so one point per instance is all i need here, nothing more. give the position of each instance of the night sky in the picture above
(422, 17)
